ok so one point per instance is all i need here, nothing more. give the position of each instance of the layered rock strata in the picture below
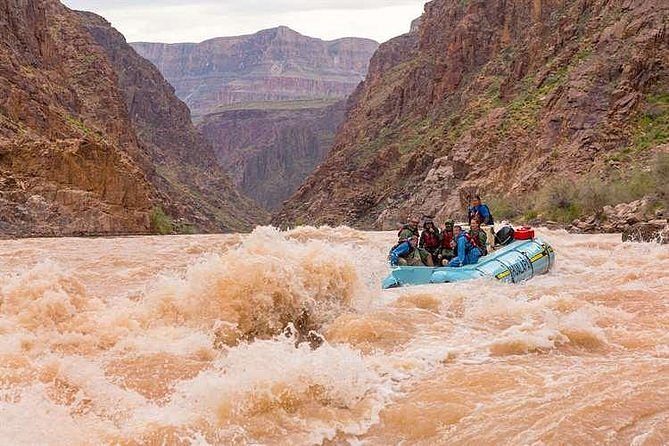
(268, 102)
(270, 151)
(494, 97)
(272, 65)
(73, 156)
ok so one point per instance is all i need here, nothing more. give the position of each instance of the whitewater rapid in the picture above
(286, 338)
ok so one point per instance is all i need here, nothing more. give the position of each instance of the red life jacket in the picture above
(447, 238)
(473, 240)
(430, 240)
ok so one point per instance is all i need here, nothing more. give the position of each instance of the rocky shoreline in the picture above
(638, 221)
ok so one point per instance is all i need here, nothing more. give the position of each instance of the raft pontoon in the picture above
(517, 261)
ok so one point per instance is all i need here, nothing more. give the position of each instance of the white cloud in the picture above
(172, 21)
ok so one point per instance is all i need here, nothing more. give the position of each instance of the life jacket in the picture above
(473, 241)
(414, 231)
(477, 243)
(446, 239)
(430, 239)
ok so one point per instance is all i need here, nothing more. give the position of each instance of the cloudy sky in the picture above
(194, 21)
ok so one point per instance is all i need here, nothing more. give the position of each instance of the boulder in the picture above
(650, 231)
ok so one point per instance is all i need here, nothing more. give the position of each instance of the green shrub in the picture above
(661, 175)
(503, 208)
(161, 223)
(564, 200)
(639, 184)
(565, 214)
(529, 215)
(186, 229)
(593, 195)
(558, 201)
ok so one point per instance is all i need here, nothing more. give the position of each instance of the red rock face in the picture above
(269, 152)
(265, 101)
(71, 161)
(66, 158)
(491, 96)
(273, 65)
(182, 163)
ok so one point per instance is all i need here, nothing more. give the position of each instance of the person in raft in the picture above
(430, 238)
(466, 251)
(480, 239)
(406, 253)
(446, 252)
(479, 211)
(408, 230)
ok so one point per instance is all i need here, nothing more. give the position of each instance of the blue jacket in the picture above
(400, 250)
(483, 211)
(466, 253)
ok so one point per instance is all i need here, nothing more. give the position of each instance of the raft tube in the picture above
(518, 261)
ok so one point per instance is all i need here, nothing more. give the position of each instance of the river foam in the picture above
(286, 338)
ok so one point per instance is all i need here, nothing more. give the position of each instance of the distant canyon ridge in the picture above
(270, 103)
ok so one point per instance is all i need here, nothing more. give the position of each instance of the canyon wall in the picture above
(499, 98)
(272, 65)
(270, 151)
(194, 186)
(73, 158)
(270, 103)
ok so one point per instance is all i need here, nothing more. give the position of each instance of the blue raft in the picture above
(519, 260)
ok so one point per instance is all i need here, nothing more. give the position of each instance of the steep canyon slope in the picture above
(77, 156)
(497, 97)
(270, 103)
(185, 163)
(269, 151)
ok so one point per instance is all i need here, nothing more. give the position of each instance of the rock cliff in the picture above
(66, 159)
(497, 97)
(272, 65)
(184, 170)
(265, 101)
(71, 160)
(270, 151)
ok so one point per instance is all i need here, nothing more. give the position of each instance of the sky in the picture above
(172, 21)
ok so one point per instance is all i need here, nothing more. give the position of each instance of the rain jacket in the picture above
(483, 211)
(466, 253)
(401, 250)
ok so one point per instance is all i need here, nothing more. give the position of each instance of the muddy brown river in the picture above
(205, 340)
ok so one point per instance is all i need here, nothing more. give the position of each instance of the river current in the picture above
(286, 338)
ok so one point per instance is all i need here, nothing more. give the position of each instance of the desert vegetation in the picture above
(563, 200)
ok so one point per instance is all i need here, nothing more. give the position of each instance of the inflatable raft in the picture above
(522, 258)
